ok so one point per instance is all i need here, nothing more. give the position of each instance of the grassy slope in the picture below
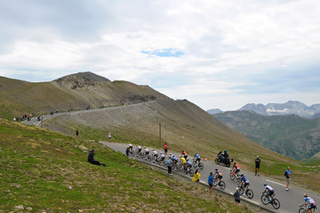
(184, 126)
(37, 167)
(290, 135)
(20, 97)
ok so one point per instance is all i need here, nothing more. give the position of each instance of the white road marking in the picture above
(275, 182)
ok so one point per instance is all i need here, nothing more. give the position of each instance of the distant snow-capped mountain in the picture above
(214, 111)
(289, 108)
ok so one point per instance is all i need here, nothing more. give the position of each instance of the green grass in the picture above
(37, 167)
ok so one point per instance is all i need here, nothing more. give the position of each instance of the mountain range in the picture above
(289, 135)
(288, 108)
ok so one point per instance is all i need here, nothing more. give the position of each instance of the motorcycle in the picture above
(221, 159)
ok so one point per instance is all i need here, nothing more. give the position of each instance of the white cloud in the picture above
(242, 48)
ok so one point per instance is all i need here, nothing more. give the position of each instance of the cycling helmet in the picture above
(160, 153)
(235, 163)
(305, 194)
(225, 150)
(216, 169)
(242, 174)
(145, 147)
(127, 146)
(265, 184)
(170, 153)
(153, 150)
(195, 153)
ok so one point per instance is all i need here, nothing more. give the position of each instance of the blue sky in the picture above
(217, 54)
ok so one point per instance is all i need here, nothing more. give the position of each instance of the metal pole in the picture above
(160, 135)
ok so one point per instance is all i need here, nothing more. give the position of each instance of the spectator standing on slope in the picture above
(109, 137)
(165, 148)
(210, 181)
(169, 164)
(236, 195)
(257, 162)
(288, 175)
(196, 177)
(77, 133)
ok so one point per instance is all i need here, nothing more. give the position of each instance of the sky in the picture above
(217, 54)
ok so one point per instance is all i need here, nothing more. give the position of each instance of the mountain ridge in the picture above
(75, 91)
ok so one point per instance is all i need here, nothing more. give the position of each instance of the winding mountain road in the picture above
(289, 200)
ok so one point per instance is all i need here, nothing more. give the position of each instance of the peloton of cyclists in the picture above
(245, 182)
(269, 190)
(308, 201)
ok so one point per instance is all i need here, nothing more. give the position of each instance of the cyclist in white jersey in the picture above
(162, 157)
(155, 154)
(139, 148)
(146, 151)
(309, 201)
(268, 189)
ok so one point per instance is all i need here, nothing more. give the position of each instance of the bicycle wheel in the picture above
(191, 173)
(275, 203)
(201, 166)
(249, 193)
(217, 161)
(222, 185)
(264, 199)
(241, 189)
(232, 176)
(302, 210)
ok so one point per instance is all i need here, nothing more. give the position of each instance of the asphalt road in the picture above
(289, 200)
(34, 120)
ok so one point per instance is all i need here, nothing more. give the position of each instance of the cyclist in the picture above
(130, 146)
(184, 154)
(146, 152)
(139, 149)
(155, 154)
(236, 169)
(162, 157)
(218, 176)
(309, 201)
(188, 164)
(175, 161)
(197, 157)
(183, 161)
(269, 190)
(245, 182)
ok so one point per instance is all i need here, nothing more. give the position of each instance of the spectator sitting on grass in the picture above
(92, 160)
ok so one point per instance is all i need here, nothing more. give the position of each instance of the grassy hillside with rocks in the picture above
(183, 126)
(45, 171)
(289, 135)
(76, 91)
